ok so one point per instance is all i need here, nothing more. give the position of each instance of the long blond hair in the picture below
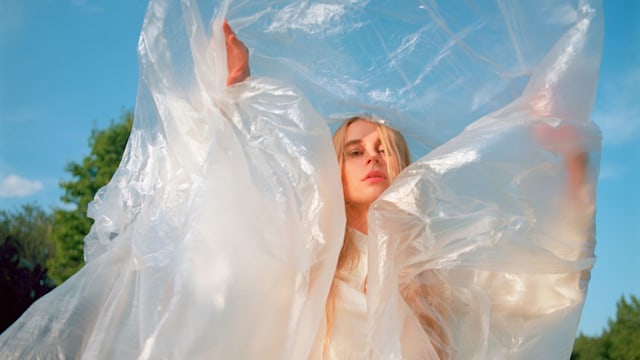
(398, 157)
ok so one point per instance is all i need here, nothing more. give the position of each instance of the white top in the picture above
(349, 333)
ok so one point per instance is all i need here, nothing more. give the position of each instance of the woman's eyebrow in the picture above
(352, 142)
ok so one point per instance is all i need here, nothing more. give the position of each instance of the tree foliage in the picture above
(620, 341)
(71, 225)
(588, 348)
(30, 227)
(24, 248)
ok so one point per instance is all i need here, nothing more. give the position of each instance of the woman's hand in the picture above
(237, 56)
(563, 138)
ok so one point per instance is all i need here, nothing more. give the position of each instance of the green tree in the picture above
(620, 341)
(30, 227)
(24, 248)
(589, 348)
(71, 225)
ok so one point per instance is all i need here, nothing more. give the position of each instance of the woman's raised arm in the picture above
(237, 56)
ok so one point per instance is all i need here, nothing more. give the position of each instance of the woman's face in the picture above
(364, 172)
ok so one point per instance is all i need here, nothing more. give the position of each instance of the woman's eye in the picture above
(381, 151)
(353, 153)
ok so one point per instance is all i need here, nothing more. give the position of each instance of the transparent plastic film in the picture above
(218, 235)
(496, 225)
(429, 68)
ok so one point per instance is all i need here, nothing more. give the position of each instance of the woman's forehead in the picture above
(361, 130)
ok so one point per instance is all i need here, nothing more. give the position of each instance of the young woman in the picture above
(370, 155)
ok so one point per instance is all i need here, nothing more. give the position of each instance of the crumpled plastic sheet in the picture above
(218, 235)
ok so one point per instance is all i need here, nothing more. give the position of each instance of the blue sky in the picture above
(67, 66)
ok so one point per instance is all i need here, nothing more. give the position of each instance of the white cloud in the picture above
(619, 125)
(16, 186)
(86, 5)
(618, 112)
(611, 171)
(23, 116)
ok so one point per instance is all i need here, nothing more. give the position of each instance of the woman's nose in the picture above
(374, 156)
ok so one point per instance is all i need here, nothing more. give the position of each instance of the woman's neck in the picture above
(357, 218)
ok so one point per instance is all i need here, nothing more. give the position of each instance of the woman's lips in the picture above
(374, 176)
